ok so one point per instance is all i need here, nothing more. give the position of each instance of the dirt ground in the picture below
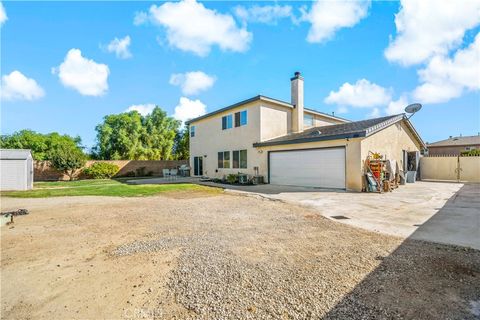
(220, 256)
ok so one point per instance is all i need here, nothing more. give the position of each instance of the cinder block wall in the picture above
(43, 171)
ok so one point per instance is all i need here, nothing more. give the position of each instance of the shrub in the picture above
(129, 174)
(473, 152)
(232, 178)
(67, 159)
(101, 170)
(140, 172)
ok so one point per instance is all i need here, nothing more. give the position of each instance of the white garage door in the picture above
(324, 168)
(13, 174)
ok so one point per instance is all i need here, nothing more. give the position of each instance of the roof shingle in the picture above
(457, 141)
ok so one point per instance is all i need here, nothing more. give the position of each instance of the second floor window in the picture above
(224, 159)
(240, 118)
(308, 120)
(227, 122)
(192, 131)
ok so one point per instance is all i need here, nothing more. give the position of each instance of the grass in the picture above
(112, 188)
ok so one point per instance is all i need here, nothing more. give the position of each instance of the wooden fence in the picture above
(43, 171)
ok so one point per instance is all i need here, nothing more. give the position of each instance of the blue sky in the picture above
(191, 58)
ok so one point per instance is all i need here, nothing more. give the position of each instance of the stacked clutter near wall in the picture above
(381, 175)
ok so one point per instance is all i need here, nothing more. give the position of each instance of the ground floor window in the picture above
(240, 159)
(224, 159)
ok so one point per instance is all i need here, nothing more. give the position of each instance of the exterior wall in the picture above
(275, 121)
(210, 139)
(44, 172)
(390, 142)
(449, 151)
(14, 174)
(353, 172)
(446, 168)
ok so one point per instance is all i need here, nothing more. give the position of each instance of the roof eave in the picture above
(238, 104)
(326, 115)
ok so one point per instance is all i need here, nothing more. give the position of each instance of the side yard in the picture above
(203, 254)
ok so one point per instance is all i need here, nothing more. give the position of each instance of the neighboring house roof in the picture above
(264, 98)
(456, 141)
(354, 129)
(15, 154)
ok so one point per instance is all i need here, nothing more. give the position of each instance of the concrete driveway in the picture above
(439, 212)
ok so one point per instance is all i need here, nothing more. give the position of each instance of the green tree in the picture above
(159, 139)
(120, 136)
(181, 149)
(130, 136)
(39, 144)
(67, 159)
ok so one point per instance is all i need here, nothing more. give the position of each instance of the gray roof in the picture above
(355, 129)
(457, 141)
(15, 154)
(260, 97)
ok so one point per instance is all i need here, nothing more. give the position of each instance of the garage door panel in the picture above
(324, 168)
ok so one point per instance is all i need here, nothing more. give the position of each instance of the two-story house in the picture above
(289, 144)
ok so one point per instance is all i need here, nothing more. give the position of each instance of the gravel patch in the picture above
(279, 264)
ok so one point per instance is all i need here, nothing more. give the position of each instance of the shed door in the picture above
(323, 168)
(13, 174)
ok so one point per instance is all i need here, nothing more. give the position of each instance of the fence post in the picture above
(458, 168)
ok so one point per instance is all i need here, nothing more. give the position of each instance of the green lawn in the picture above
(106, 187)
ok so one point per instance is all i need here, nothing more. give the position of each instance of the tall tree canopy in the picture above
(181, 149)
(40, 144)
(131, 136)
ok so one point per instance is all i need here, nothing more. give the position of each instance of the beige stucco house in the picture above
(289, 144)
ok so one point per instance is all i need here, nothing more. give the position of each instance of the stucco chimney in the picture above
(297, 102)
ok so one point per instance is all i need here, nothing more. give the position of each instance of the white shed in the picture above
(16, 169)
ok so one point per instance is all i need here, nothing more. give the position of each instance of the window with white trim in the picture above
(239, 159)
(241, 118)
(227, 122)
(224, 160)
(308, 120)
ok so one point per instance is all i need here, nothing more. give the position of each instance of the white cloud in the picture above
(143, 109)
(430, 27)
(362, 94)
(140, 18)
(269, 14)
(3, 14)
(84, 75)
(192, 82)
(120, 47)
(192, 27)
(445, 78)
(189, 109)
(397, 106)
(327, 17)
(16, 86)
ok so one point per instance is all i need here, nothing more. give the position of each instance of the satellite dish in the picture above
(412, 108)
